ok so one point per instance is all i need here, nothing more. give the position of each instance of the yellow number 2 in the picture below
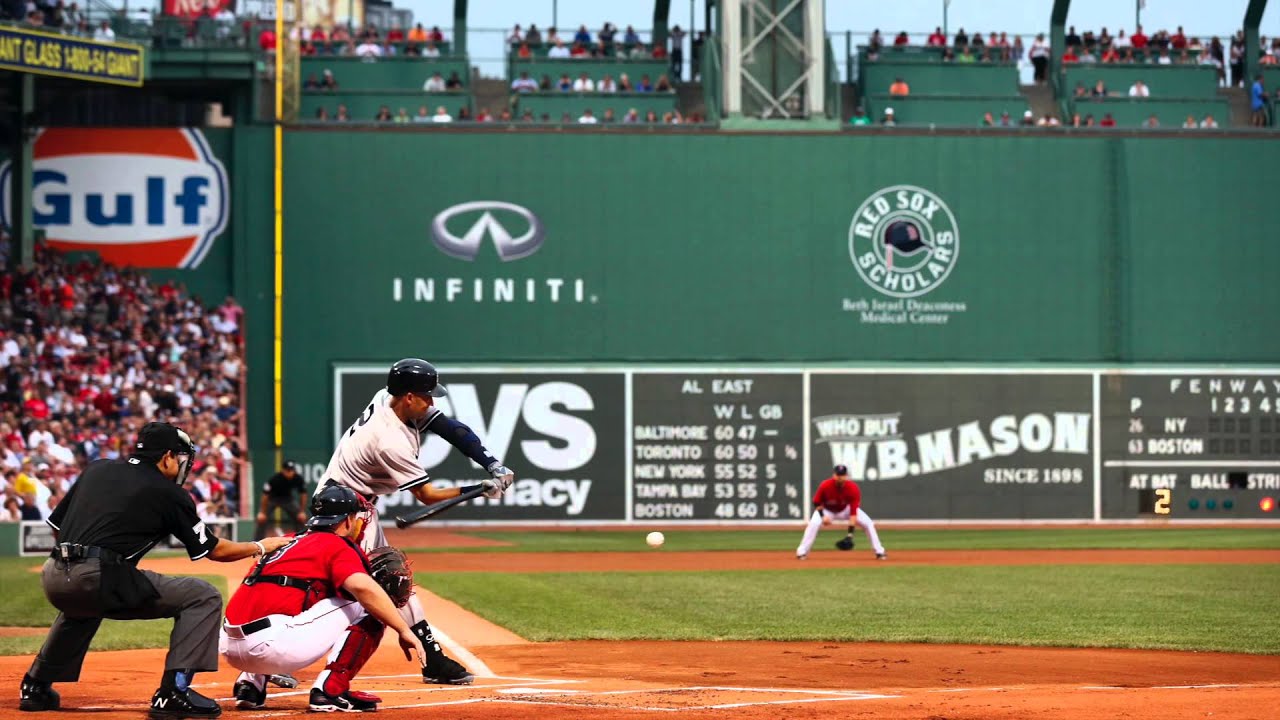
(1163, 496)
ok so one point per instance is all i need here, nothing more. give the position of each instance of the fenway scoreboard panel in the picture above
(1190, 446)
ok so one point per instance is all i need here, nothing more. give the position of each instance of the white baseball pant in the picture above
(815, 524)
(292, 642)
(375, 537)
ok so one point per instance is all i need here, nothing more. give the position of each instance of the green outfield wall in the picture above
(635, 247)
(559, 249)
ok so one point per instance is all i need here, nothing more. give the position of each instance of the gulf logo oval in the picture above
(154, 198)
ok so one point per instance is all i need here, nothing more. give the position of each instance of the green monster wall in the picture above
(737, 248)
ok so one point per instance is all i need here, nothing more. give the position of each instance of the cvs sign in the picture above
(154, 197)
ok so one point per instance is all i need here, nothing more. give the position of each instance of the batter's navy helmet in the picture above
(332, 505)
(412, 375)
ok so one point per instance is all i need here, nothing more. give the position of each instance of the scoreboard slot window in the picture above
(1191, 445)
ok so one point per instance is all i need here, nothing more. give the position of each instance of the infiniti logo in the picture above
(488, 217)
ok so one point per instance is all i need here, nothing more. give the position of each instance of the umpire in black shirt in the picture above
(285, 490)
(114, 514)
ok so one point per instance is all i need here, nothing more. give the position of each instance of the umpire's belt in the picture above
(247, 629)
(71, 552)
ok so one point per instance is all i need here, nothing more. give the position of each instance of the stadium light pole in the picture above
(945, 4)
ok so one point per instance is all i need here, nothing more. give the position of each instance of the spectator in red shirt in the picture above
(1138, 39)
(937, 39)
(1179, 40)
(1070, 55)
(902, 39)
(1107, 121)
(395, 35)
(267, 40)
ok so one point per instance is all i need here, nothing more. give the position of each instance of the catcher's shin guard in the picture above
(349, 655)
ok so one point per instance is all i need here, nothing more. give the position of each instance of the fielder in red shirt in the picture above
(318, 594)
(838, 498)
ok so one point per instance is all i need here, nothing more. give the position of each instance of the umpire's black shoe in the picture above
(38, 696)
(323, 702)
(443, 670)
(248, 696)
(175, 703)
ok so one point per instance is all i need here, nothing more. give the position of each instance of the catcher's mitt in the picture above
(845, 543)
(390, 568)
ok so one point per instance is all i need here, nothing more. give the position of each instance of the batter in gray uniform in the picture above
(378, 455)
(115, 513)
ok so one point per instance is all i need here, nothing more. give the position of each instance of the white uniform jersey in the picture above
(378, 455)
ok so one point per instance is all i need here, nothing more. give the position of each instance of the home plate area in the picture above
(407, 691)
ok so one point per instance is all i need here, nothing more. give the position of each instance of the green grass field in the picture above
(939, 539)
(1190, 607)
(1185, 607)
(22, 604)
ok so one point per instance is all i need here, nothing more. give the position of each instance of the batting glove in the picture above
(503, 473)
(492, 489)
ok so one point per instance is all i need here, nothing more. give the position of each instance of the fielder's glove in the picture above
(845, 543)
(492, 489)
(502, 473)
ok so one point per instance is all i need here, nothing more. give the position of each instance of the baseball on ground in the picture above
(655, 539)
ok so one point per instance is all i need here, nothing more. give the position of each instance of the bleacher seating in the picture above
(595, 68)
(1176, 91)
(902, 54)
(364, 86)
(556, 104)
(918, 110)
(363, 105)
(1132, 112)
(393, 73)
(945, 94)
(984, 79)
(1165, 81)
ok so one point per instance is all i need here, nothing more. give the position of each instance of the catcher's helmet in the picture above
(412, 375)
(332, 505)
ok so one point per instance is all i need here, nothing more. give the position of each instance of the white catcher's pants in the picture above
(815, 524)
(292, 642)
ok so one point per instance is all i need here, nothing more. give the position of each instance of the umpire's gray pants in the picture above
(194, 604)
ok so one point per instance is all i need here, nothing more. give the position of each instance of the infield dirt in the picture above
(595, 680)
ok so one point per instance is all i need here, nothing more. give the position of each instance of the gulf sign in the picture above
(152, 198)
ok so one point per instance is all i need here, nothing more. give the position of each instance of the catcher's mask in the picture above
(335, 503)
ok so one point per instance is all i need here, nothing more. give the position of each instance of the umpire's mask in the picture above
(157, 438)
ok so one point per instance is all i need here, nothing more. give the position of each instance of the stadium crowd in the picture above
(1159, 48)
(89, 353)
(442, 115)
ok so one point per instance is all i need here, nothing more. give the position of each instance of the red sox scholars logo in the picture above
(903, 241)
(154, 198)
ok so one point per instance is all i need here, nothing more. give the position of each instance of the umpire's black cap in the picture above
(162, 437)
(412, 375)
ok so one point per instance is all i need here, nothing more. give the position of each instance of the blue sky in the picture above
(1198, 17)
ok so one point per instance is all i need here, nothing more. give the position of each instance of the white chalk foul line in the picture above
(473, 663)
(429, 689)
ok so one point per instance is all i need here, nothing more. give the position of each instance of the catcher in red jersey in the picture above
(319, 595)
(838, 498)
(378, 455)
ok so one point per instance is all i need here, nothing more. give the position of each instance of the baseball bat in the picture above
(434, 509)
